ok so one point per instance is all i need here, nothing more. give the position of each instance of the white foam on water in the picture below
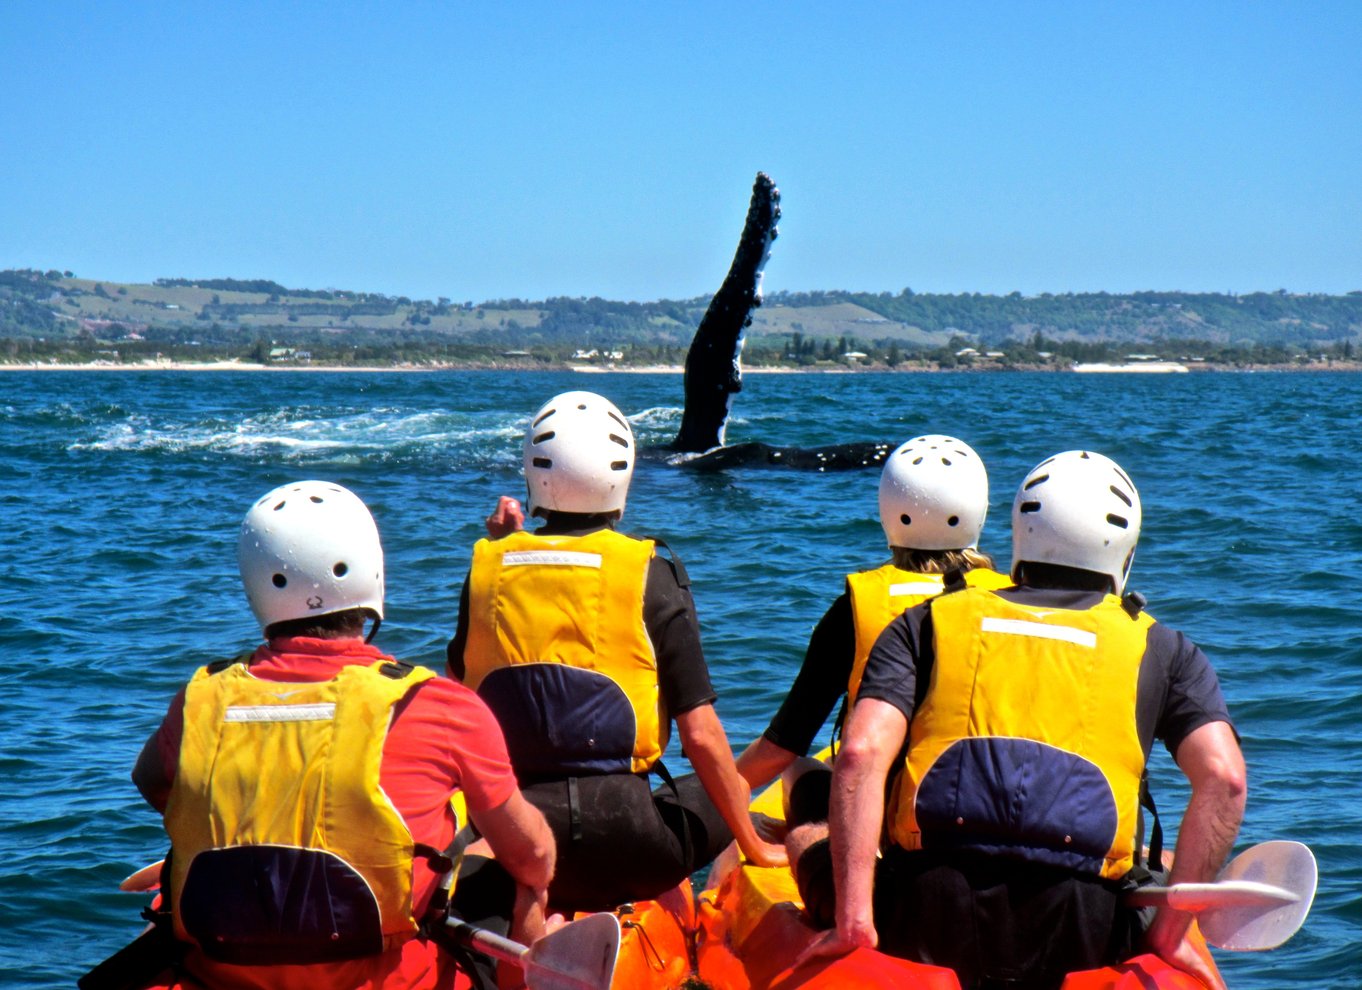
(302, 434)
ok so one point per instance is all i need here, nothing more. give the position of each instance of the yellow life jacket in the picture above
(880, 595)
(558, 650)
(1026, 744)
(284, 848)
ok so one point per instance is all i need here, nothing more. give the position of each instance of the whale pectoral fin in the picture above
(713, 369)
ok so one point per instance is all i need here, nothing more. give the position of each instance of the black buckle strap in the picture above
(574, 811)
(667, 779)
(1155, 861)
(445, 862)
(396, 669)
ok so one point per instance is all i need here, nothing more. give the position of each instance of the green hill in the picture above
(228, 315)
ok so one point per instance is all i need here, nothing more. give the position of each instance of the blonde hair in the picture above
(940, 561)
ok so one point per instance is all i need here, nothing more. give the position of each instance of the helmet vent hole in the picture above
(906, 519)
(1116, 520)
(1038, 480)
(340, 569)
(547, 414)
(619, 440)
(281, 505)
(543, 462)
(946, 461)
(953, 521)
(619, 465)
(279, 580)
(618, 420)
(542, 437)
(581, 405)
(315, 498)
(917, 460)
(1026, 507)
(1121, 495)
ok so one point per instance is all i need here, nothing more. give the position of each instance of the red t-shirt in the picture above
(442, 739)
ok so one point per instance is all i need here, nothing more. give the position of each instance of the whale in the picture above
(713, 369)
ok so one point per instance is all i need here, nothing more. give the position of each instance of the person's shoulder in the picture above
(445, 689)
(441, 700)
(1167, 638)
(666, 561)
(987, 579)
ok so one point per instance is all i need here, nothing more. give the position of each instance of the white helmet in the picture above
(1077, 509)
(579, 455)
(933, 495)
(308, 549)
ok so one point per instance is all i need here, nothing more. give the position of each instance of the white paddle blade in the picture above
(578, 956)
(1289, 866)
(145, 880)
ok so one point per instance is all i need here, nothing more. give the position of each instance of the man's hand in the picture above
(1214, 765)
(763, 853)
(834, 942)
(506, 519)
(1169, 938)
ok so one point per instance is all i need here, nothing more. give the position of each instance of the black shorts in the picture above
(618, 841)
(997, 922)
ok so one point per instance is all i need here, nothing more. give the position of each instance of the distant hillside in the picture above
(224, 313)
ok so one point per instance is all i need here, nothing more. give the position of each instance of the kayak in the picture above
(657, 940)
(752, 928)
(747, 928)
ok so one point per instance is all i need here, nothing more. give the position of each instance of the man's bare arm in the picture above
(1214, 765)
(523, 843)
(706, 746)
(874, 736)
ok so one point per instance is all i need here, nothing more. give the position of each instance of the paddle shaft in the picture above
(537, 972)
(1195, 897)
(490, 943)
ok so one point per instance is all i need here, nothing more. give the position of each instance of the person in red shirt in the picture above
(307, 786)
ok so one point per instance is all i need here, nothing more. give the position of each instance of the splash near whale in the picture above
(714, 365)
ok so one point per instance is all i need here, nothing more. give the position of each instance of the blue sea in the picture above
(122, 493)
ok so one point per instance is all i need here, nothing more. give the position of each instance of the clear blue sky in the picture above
(483, 151)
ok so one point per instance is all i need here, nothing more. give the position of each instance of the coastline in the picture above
(672, 369)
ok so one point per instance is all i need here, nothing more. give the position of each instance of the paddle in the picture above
(579, 956)
(1259, 900)
(147, 879)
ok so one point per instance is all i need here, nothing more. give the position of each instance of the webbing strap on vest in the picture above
(218, 666)
(682, 578)
(1155, 860)
(447, 864)
(574, 810)
(837, 725)
(689, 851)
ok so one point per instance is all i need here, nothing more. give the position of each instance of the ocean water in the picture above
(122, 493)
